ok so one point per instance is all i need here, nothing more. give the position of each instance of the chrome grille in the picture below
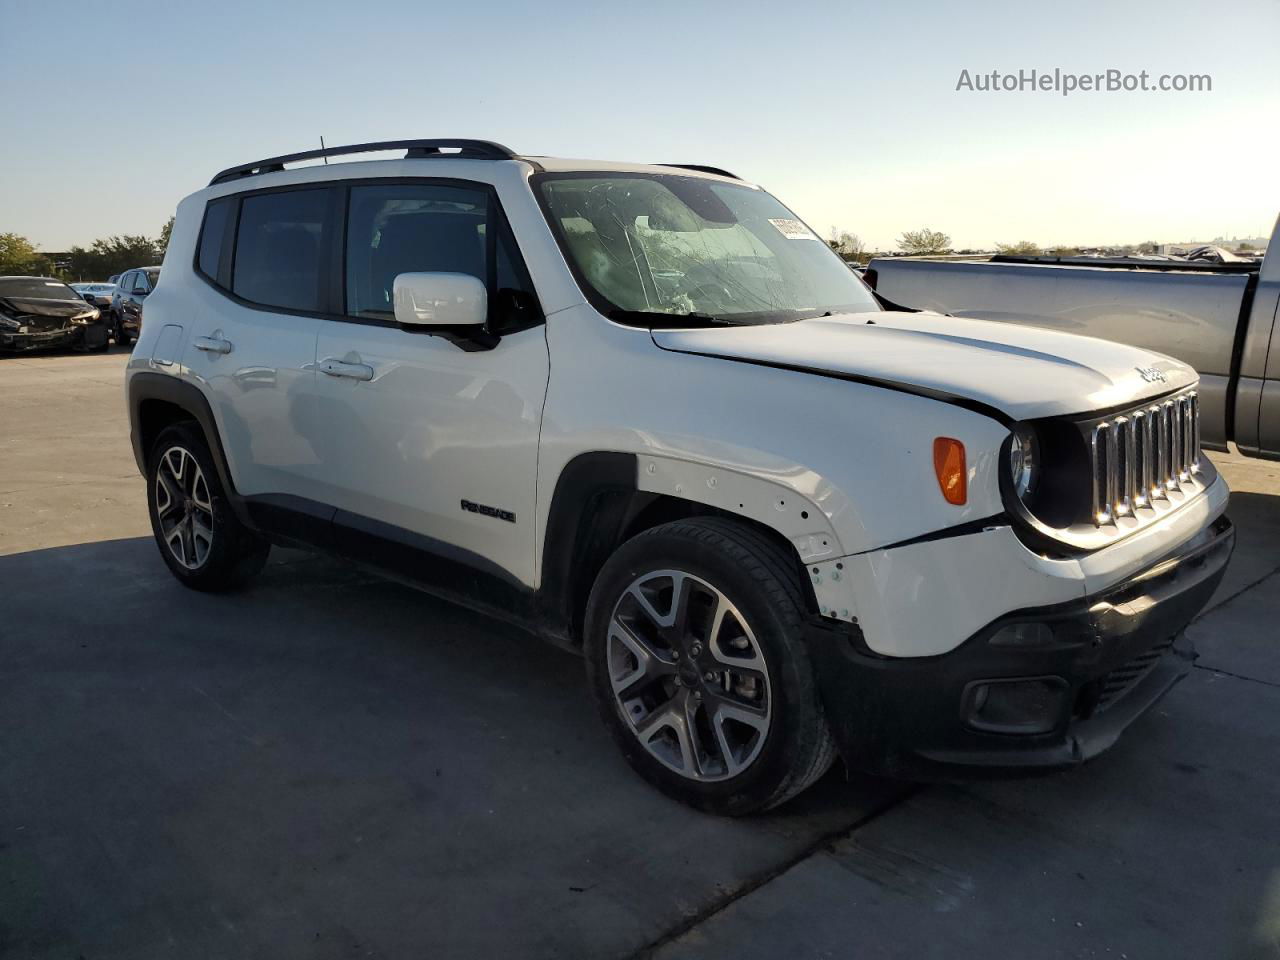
(1142, 455)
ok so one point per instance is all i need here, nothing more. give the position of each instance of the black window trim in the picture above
(333, 298)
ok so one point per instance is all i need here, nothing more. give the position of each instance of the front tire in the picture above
(698, 667)
(200, 538)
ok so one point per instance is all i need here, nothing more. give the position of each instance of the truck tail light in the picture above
(948, 464)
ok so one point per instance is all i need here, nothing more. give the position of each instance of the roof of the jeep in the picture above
(572, 165)
(484, 150)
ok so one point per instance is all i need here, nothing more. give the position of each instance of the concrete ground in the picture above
(329, 765)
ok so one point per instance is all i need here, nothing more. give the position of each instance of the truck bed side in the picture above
(1192, 316)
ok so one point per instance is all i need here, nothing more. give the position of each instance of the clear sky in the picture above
(112, 111)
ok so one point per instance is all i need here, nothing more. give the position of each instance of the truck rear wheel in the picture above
(698, 667)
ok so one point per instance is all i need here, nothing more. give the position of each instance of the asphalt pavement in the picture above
(332, 765)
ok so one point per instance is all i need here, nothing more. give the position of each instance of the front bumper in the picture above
(80, 336)
(41, 339)
(1100, 662)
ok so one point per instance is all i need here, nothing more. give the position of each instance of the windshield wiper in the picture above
(654, 319)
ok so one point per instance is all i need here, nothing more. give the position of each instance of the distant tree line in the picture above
(848, 245)
(104, 258)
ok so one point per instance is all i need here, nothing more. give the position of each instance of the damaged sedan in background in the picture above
(40, 312)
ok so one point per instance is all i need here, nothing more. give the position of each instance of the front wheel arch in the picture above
(597, 506)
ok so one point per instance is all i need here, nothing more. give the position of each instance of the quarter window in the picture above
(212, 236)
(280, 249)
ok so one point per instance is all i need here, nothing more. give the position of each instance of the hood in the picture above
(1022, 372)
(22, 306)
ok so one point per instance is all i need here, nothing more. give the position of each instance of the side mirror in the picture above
(456, 300)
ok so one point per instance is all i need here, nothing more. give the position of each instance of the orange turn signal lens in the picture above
(948, 464)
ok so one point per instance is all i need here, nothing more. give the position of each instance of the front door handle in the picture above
(212, 344)
(340, 368)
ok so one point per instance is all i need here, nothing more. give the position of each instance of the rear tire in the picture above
(697, 664)
(201, 540)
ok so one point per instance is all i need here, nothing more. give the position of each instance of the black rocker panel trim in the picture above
(434, 566)
(426, 563)
(292, 521)
(384, 544)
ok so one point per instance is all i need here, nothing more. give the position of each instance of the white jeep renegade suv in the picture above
(645, 412)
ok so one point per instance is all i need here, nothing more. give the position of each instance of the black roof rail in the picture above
(414, 149)
(702, 168)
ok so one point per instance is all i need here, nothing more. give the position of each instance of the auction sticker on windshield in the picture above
(793, 229)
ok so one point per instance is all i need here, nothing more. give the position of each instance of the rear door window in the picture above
(281, 249)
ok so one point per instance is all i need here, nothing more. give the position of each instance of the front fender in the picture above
(770, 444)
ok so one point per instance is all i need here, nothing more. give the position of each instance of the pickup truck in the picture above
(1218, 318)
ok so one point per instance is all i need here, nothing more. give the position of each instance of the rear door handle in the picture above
(340, 368)
(212, 344)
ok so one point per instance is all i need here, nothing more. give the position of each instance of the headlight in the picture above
(8, 324)
(1024, 461)
(87, 317)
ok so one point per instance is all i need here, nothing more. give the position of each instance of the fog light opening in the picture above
(1024, 706)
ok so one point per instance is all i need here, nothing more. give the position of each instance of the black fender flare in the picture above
(602, 484)
(144, 386)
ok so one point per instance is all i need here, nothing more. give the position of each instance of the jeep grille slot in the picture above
(1143, 455)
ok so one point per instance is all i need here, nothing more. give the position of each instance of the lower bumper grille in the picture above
(1122, 679)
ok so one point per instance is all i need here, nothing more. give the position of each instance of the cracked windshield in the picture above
(685, 247)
